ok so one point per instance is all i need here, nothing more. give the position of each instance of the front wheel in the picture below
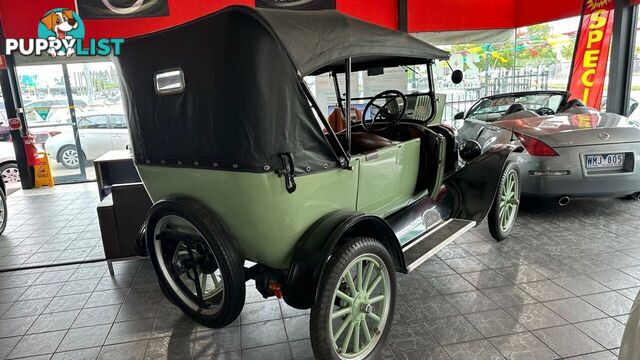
(504, 211)
(352, 315)
(198, 269)
(68, 157)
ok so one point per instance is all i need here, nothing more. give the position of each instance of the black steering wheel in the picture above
(390, 112)
(545, 111)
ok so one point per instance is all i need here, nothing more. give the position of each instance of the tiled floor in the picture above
(560, 287)
(50, 226)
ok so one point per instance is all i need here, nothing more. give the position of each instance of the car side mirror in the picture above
(457, 76)
(459, 116)
(470, 150)
(633, 108)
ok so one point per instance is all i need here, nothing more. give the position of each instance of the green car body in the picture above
(267, 222)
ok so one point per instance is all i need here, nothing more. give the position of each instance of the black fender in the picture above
(318, 243)
(140, 244)
(476, 184)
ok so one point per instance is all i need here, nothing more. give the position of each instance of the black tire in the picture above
(5, 215)
(219, 243)
(497, 231)
(64, 163)
(13, 167)
(634, 197)
(320, 331)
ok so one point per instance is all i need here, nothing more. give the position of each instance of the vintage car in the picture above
(244, 169)
(571, 150)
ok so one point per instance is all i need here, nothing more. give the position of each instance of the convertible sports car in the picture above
(572, 150)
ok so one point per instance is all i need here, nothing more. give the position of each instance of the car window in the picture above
(118, 122)
(93, 122)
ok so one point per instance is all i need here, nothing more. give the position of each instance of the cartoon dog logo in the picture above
(60, 23)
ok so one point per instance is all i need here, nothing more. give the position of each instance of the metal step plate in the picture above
(428, 244)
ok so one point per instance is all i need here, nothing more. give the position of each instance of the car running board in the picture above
(429, 243)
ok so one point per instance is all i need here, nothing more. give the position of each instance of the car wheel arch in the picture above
(321, 240)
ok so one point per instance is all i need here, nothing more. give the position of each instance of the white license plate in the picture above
(605, 161)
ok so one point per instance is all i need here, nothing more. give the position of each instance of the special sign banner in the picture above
(592, 52)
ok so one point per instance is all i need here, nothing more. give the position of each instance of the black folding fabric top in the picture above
(319, 40)
(243, 103)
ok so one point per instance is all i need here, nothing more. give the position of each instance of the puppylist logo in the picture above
(61, 32)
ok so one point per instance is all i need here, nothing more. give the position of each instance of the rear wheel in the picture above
(353, 312)
(10, 174)
(197, 267)
(504, 211)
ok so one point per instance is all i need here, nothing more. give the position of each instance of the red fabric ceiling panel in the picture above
(446, 15)
(384, 13)
(380, 12)
(20, 18)
(539, 11)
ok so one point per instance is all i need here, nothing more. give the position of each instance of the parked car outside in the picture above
(570, 150)
(39, 110)
(8, 166)
(99, 133)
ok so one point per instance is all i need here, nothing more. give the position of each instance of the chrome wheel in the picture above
(11, 175)
(360, 309)
(188, 264)
(509, 201)
(69, 158)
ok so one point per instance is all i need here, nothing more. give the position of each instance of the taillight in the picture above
(54, 133)
(536, 147)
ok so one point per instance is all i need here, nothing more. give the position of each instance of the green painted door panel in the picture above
(388, 178)
(265, 220)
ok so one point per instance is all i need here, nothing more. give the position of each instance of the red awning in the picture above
(20, 18)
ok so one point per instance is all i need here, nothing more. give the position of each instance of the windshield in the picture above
(409, 80)
(492, 109)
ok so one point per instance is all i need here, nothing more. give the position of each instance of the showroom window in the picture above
(95, 92)
(543, 55)
(499, 61)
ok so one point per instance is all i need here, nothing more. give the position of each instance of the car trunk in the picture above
(578, 130)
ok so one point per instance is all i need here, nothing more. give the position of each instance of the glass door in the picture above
(50, 119)
(74, 136)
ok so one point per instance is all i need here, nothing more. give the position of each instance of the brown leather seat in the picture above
(336, 119)
(362, 142)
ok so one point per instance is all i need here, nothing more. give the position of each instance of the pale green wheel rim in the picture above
(360, 307)
(509, 201)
